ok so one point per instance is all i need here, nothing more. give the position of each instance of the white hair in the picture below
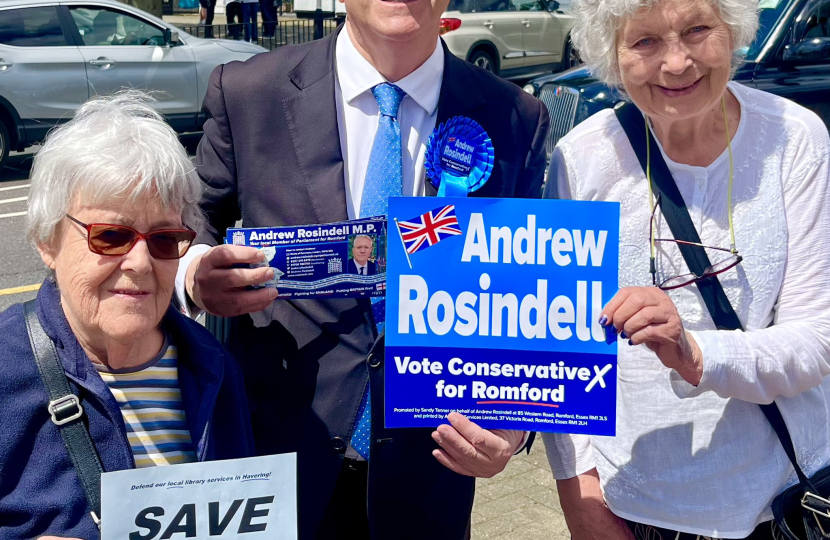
(359, 236)
(599, 21)
(116, 147)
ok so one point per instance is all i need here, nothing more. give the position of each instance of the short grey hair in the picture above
(599, 21)
(359, 236)
(116, 147)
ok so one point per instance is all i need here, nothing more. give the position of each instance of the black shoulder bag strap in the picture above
(677, 216)
(66, 412)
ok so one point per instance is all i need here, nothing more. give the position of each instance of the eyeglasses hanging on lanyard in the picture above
(726, 263)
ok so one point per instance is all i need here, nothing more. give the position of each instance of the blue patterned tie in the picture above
(383, 180)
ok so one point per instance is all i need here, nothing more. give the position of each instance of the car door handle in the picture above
(526, 23)
(102, 62)
(488, 24)
(5, 64)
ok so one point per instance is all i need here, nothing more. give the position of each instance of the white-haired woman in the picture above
(113, 206)
(693, 454)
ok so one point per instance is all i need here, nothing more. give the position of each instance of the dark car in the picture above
(790, 57)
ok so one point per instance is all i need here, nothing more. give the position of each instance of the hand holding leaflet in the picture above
(216, 284)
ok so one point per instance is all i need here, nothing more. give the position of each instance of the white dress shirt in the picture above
(357, 116)
(703, 459)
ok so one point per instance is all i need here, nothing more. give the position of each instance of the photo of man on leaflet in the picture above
(362, 248)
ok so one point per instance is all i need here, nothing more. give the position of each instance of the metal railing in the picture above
(269, 35)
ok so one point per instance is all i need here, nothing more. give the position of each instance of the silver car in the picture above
(511, 38)
(54, 55)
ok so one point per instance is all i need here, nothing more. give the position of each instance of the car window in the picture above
(464, 6)
(770, 12)
(495, 5)
(106, 27)
(31, 27)
(818, 22)
(527, 5)
(565, 6)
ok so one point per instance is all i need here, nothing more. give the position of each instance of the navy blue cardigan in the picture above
(40, 492)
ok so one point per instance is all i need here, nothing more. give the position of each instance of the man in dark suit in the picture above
(291, 139)
(359, 262)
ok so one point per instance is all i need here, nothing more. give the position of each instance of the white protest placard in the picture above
(249, 499)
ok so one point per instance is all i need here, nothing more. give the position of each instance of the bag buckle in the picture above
(820, 507)
(96, 519)
(65, 409)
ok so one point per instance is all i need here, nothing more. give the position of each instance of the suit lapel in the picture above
(455, 98)
(311, 116)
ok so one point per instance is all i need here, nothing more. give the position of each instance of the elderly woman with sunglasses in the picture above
(693, 455)
(113, 206)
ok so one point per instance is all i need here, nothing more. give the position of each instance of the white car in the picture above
(54, 55)
(511, 38)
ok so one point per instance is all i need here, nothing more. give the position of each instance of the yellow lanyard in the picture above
(729, 189)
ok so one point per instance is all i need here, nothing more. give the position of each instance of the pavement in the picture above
(20, 266)
(519, 504)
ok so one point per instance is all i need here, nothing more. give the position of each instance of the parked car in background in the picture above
(56, 55)
(790, 57)
(511, 38)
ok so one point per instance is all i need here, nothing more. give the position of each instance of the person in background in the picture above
(269, 18)
(693, 456)
(206, 12)
(104, 29)
(233, 18)
(112, 208)
(249, 19)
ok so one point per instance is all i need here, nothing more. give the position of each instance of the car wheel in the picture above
(570, 56)
(5, 141)
(483, 60)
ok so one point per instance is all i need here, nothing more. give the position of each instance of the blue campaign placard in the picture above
(492, 310)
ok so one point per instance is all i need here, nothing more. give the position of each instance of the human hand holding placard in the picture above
(472, 451)
(647, 316)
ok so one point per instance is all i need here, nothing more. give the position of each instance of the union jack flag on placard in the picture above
(428, 229)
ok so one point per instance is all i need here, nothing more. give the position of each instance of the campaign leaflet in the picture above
(336, 260)
(492, 311)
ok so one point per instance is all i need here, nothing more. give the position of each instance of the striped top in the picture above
(151, 404)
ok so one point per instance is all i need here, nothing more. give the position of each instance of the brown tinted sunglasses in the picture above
(110, 239)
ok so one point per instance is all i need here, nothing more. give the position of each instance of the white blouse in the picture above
(703, 459)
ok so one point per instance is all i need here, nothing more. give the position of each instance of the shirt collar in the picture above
(356, 75)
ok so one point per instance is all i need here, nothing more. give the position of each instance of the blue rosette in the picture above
(459, 157)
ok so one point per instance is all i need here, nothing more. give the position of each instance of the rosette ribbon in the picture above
(459, 157)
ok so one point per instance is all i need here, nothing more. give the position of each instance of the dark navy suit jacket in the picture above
(270, 156)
